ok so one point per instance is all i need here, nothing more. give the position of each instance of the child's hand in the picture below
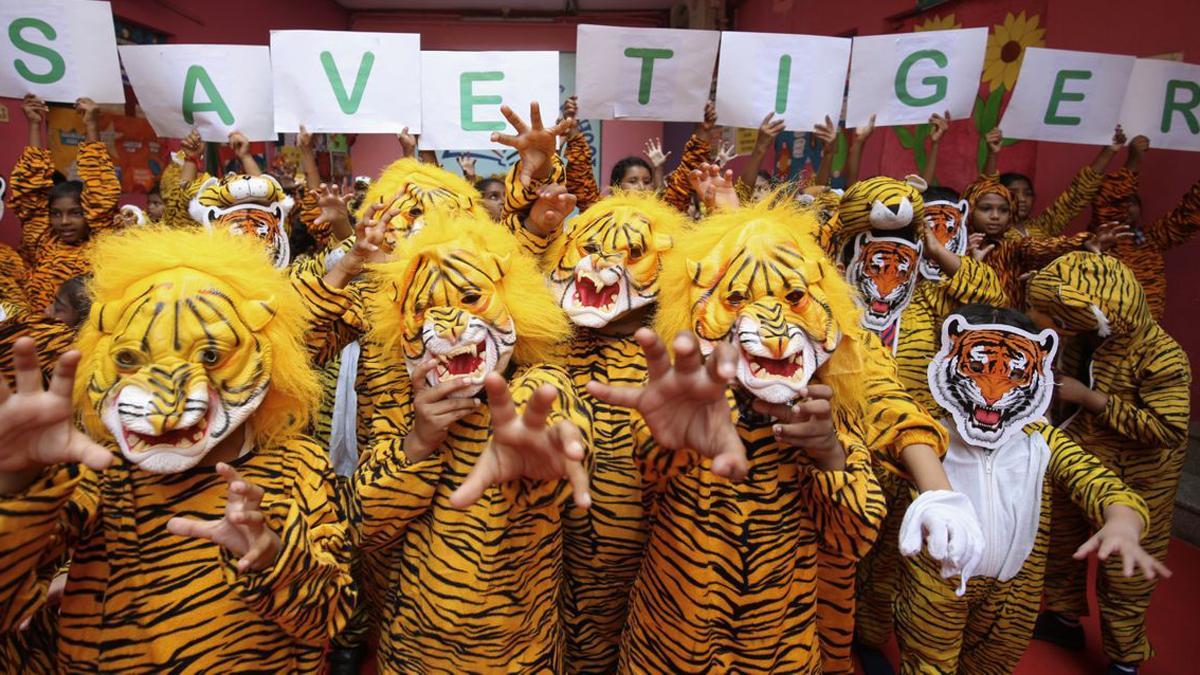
(408, 143)
(242, 530)
(826, 132)
(1139, 145)
(239, 144)
(371, 242)
(715, 190)
(684, 402)
(808, 425)
(193, 147)
(1118, 139)
(87, 109)
(304, 141)
(535, 143)
(995, 140)
(36, 424)
(725, 152)
(769, 129)
(467, 164)
(434, 410)
(862, 133)
(335, 207)
(710, 116)
(978, 245)
(34, 108)
(1121, 533)
(570, 111)
(938, 125)
(1106, 236)
(1071, 390)
(654, 152)
(548, 211)
(524, 446)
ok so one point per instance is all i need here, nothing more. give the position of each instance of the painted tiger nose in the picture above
(776, 345)
(895, 208)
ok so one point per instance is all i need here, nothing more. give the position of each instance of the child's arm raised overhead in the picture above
(240, 145)
(764, 141)
(677, 191)
(658, 160)
(580, 179)
(101, 187)
(938, 126)
(30, 182)
(826, 133)
(995, 143)
(1079, 193)
(854, 156)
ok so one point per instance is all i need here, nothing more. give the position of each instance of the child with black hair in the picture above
(492, 191)
(57, 219)
(635, 174)
(993, 378)
(155, 204)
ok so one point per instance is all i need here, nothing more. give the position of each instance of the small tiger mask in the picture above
(607, 259)
(884, 271)
(993, 379)
(254, 206)
(948, 222)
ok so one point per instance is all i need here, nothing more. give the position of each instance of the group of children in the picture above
(689, 423)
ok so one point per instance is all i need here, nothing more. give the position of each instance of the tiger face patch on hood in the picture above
(254, 206)
(884, 271)
(993, 379)
(948, 222)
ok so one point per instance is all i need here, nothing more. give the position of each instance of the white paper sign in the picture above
(60, 50)
(903, 79)
(1162, 102)
(801, 78)
(461, 95)
(217, 89)
(644, 73)
(343, 81)
(1066, 96)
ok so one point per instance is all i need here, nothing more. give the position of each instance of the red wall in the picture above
(1085, 25)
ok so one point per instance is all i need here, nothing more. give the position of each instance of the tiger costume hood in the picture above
(247, 205)
(463, 292)
(191, 334)
(422, 189)
(993, 379)
(1084, 292)
(607, 260)
(756, 278)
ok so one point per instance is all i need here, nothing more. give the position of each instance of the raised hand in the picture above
(826, 132)
(770, 128)
(242, 530)
(239, 144)
(435, 409)
(938, 125)
(408, 143)
(863, 132)
(1139, 145)
(714, 188)
(808, 425)
(335, 207)
(684, 403)
(710, 116)
(570, 111)
(1106, 236)
(654, 152)
(1118, 139)
(978, 245)
(725, 152)
(304, 141)
(193, 147)
(995, 140)
(34, 109)
(36, 428)
(535, 143)
(1121, 533)
(525, 446)
(87, 109)
(550, 209)
(467, 164)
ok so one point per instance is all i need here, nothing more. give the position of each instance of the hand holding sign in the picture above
(535, 143)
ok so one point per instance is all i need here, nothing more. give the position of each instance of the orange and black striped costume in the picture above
(51, 261)
(580, 179)
(678, 189)
(1054, 219)
(1143, 253)
(13, 273)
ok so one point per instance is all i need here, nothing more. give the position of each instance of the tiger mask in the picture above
(413, 189)
(608, 258)
(884, 271)
(191, 335)
(462, 293)
(947, 221)
(882, 203)
(993, 379)
(760, 282)
(254, 206)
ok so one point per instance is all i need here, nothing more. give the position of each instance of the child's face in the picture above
(1133, 211)
(761, 187)
(62, 310)
(67, 221)
(637, 179)
(154, 206)
(991, 215)
(493, 200)
(1022, 192)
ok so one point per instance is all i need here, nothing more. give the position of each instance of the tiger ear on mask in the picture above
(663, 243)
(258, 313)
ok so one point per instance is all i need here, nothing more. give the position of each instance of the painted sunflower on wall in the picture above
(1006, 49)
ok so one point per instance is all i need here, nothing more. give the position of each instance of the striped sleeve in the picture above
(1091, 486)
(28, 197)
(581, 180)
(848, 505)
(1178, 226)
(518, 198)
(390, 492)
(1073, 200)
(101, 188)
(307, 211)
(678, 191)
(893, 419)
(1159, 414)
(974, 282)
(1108, 204)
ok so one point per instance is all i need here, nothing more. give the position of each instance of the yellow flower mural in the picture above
(1006, 48)
(947, 22)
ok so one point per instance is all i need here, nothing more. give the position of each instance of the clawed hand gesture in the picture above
(242, 530)
(938, 124)
(654, 152)
(714, 188)
(684, 403)
(525, 445)
(551, 208)
(1106, 236)
(979, 246)
(534, 142)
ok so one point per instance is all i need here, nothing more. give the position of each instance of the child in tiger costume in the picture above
(993, 376)
(57, 220)
(1118, 201)
(479, 551)
(196, 376)
(1130, 382)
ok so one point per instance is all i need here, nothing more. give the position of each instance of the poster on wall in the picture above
(138, 154)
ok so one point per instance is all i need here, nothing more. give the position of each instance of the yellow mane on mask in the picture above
(720, 238)
(539, 322)
(400, 173)
(122, 262)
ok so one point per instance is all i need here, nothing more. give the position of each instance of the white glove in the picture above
(946, 523)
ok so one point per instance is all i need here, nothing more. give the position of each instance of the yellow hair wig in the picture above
(121, 260)
(665, 219)
(719, 236)
(540, 323)
(401, 172)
